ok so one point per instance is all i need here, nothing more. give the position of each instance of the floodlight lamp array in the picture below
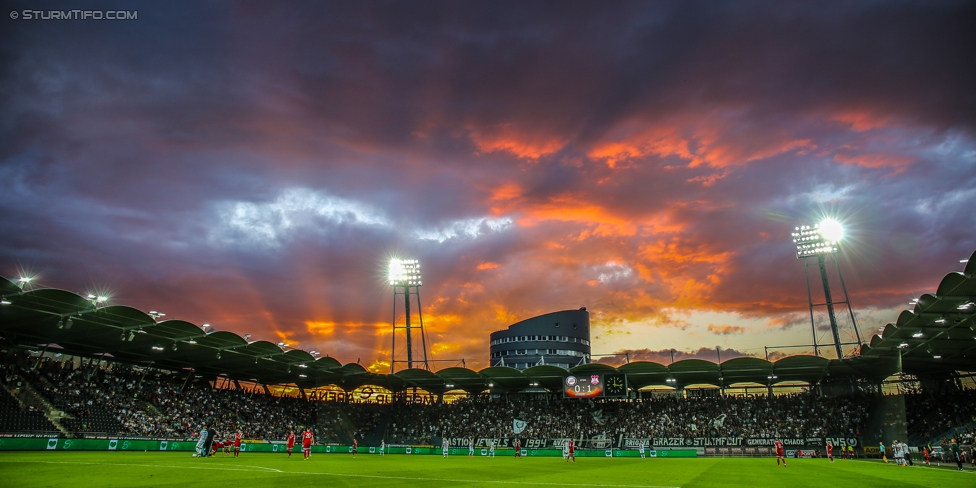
(405, 272)
(811, 242)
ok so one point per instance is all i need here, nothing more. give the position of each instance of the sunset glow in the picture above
(257, 166)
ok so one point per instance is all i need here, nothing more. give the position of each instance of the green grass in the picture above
(133, 469)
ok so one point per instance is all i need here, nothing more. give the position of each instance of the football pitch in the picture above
(134, 469)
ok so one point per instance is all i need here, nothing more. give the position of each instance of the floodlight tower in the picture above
(819, 241)
(405, 280)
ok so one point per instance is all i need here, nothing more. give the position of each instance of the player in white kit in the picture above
(445, 446)
(491, 448)
(565, 449)
(201, 442)
(640, 447)
(471, 447)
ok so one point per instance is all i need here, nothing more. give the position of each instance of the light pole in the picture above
(818, 241)
(405, 276)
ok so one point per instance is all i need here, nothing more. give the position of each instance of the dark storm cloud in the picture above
(254, 164)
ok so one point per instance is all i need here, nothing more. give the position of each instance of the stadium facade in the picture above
(557, 339)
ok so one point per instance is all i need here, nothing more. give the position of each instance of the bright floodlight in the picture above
(817, 240)
(405, 272)
(831, 230)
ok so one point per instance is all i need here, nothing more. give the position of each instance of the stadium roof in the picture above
(935, 338)
(939, 334)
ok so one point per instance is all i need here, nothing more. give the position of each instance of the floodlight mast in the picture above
(819, 241)
(405, 275)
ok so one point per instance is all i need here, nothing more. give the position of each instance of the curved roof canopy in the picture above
(936, 337)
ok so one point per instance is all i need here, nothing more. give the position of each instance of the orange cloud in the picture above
(288, 337)
(320, 328)
(690, 271)
(862, 121)
(875, 160)
(709, 180)
(725, 329)
(508, 191)
(521, 143)
(379, 366)
(700, 143)
(484, 266)
(601, 220)
(661, 141)
(787, 321)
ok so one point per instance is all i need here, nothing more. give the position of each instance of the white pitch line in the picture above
(349, 475)
(213, 468)
(967, 471)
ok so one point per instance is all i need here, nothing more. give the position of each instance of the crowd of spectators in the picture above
(149, 404)
(156, 404)
(801, 415)
(936, 415)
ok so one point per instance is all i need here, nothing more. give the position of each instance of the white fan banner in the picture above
(518, 425)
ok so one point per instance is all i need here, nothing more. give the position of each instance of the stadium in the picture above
(80, 377)
(628, 244)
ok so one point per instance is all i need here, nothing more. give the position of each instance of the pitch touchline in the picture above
(217, 468)
(926, 467)
(348, 475)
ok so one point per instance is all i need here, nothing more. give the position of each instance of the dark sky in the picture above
(255, 165)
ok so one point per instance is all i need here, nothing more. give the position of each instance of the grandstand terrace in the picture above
(79, 367)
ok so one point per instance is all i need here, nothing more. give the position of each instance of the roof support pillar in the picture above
(267, 390)
(39, 358)
(189, 375)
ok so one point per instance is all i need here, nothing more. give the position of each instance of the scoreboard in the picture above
(595, 385)
(583, 386)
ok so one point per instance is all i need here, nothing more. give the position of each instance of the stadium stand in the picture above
(16, 416)
(159, 379)
(118, 400)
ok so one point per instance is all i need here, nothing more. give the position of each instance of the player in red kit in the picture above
(779, 453)
(518, 448)
(307, 439)
(830, 451)
(291, 442)
(237, 443)
(355, 444)
(572, 451)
